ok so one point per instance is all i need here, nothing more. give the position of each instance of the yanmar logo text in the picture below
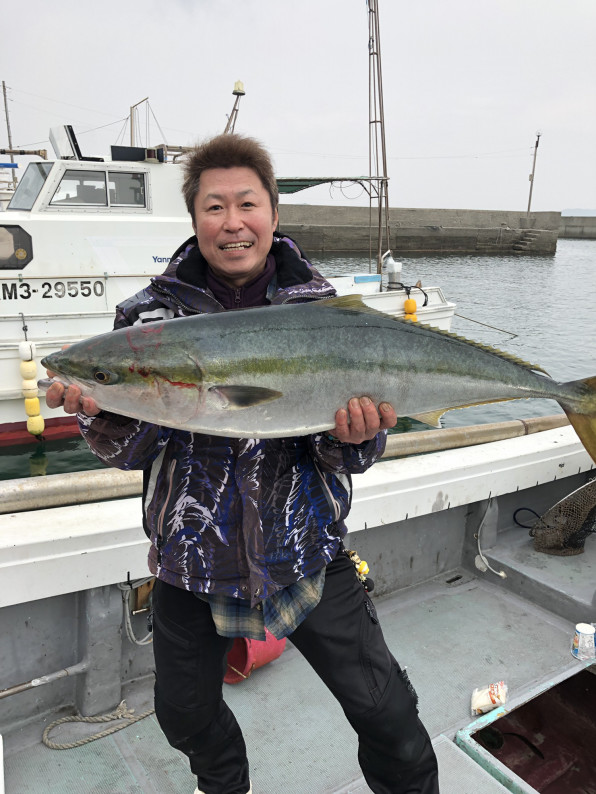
(158, 259)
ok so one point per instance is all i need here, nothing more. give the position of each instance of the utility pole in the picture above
(538, 134)
(14, 176)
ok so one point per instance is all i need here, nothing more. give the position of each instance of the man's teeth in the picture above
(232, 246)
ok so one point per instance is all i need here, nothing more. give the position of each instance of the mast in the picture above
(133, 110)
(376, 130)
(14, 176)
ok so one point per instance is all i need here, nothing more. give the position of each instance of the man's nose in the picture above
(233, 220)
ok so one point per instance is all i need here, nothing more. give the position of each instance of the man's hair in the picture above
(228, 151)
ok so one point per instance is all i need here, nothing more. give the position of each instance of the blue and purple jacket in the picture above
(242, 517)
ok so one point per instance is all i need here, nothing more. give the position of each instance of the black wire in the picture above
(519, 509)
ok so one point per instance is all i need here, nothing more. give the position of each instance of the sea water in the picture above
(539, 308)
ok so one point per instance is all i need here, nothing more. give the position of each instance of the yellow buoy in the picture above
(410, 306)
(32, 406)
(29, 390)
(412, 317)
(35, 425)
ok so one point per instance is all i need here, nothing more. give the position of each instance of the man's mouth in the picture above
(235, 246)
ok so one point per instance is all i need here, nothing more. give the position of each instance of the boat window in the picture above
(126, 190)
(30, 186)
(82, 187)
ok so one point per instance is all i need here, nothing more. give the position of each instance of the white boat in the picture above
(79, 236)
(464, 598)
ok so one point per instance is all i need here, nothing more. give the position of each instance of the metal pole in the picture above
(377, 128)
(14, 176)
(132, 115)
(538, 134)
(237, 92)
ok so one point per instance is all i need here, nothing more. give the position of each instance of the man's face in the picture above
(234, 223)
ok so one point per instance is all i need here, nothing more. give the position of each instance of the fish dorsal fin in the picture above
(487, 348)
(350, 302)
(356, 303)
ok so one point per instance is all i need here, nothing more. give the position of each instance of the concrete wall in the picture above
(582, 227)
(345, 229)
(404, 217)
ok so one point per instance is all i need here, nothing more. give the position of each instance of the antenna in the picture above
(237, 92)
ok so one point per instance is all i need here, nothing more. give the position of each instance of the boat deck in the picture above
(455, 632)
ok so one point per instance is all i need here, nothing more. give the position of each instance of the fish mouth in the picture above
(239, 246)
(43, 384)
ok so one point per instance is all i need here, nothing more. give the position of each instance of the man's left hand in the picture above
(362, 421)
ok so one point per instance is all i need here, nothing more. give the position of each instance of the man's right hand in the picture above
(70, 398)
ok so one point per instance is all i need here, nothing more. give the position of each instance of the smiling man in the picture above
(234, 223)
(246, 534)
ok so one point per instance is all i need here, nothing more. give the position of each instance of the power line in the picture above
(59, 102)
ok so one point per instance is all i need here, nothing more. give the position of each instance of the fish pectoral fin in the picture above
(432, 418)
(245, 396)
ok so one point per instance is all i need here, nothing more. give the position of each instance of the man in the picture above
(247, 533)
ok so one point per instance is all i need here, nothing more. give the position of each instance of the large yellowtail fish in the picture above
(285, 370)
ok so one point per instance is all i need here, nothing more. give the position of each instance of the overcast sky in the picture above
(467, 85)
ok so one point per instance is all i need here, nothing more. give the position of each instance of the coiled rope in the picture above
(122, 712)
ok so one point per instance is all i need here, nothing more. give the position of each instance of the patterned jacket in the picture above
(241, 517)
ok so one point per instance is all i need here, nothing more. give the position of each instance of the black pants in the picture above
(343, 642)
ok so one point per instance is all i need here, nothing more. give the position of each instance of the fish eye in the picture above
(104, 376)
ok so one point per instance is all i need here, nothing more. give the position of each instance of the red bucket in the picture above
(246, 655)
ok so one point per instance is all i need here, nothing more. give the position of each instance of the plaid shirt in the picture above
(280, 614)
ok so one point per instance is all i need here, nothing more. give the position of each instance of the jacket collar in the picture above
(295, 279)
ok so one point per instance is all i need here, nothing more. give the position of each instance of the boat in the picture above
(464, 598)
(80, 235)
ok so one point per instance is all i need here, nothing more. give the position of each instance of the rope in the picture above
(122, 712)
(486, 325)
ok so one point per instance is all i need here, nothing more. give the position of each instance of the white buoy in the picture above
(392, 269)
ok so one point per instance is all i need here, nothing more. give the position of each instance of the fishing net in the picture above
(564, 528)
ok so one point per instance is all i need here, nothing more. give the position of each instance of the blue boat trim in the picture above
(365, 278)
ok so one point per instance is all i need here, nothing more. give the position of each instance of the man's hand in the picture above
(365, 421)
(70, 399)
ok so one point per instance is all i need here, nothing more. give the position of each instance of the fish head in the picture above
(132, 373)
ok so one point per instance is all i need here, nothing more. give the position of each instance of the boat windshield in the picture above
(30, 186)
(88, 188)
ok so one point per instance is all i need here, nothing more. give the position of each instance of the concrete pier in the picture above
(578, 227)
(342, 229)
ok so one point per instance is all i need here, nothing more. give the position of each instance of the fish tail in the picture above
(581, 412)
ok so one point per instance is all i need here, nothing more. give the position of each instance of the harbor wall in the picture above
(579, 227)
(348, 229)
